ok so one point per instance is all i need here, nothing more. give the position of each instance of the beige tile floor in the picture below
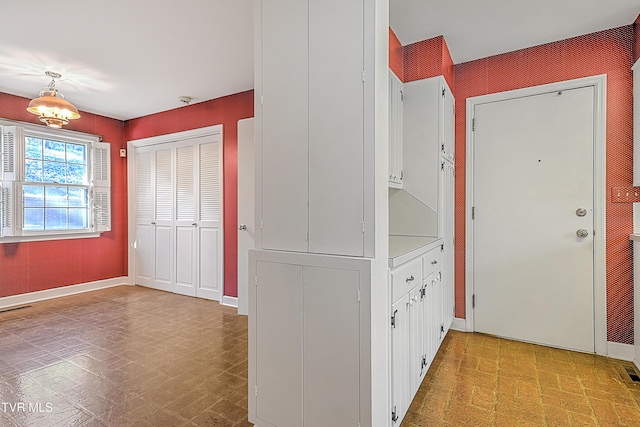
(124, 356)
(480, 380)
(131, 356)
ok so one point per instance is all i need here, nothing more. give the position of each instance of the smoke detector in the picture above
(185, 99)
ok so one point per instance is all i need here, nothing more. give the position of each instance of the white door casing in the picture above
(525, 262)
(246, 208)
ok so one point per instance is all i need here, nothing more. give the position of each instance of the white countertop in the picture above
(405, 248)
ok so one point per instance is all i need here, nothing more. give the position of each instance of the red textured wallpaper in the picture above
(36, 266)
(608, 52)
(395, 55)
(226, 111)
(428, 58)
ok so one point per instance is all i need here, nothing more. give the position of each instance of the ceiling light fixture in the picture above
(51, 106)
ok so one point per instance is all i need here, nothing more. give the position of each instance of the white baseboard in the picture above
(619, 351)
(230, 301)
(459, 324)
(60, 292)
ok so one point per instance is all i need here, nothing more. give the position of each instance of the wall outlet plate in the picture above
(123, 152)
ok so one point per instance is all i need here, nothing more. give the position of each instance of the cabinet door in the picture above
(400, 367)
(395, 131)
(336, 127)
(283, 123)
(416, 340)
(331, 352)
(422, 118)
(448, 273)
(279, 344)
(448, 123)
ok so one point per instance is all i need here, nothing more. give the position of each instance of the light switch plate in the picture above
(123, 152)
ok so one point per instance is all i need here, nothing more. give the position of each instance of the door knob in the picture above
(582, 233)
(242, 227)
(581, 212)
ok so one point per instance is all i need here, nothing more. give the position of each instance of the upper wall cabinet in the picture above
(313, 183)
(395, 131)
(427, 134)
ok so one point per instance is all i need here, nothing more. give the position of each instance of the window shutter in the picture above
(12, 146)
(12, 213)
(101, 186)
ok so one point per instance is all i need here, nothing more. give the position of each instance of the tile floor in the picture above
(131, 356)
(124, 356)
(480, 380)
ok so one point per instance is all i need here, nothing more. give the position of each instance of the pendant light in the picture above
(51, 106)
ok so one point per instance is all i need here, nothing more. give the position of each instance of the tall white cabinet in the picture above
(177, 195)
(319, 267)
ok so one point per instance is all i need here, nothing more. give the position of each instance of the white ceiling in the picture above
(130, 58)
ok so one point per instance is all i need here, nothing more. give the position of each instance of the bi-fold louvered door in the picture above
(179, 217)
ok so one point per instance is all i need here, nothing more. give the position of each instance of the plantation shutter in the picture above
(12, 212)
(102, 186)
(11, 148)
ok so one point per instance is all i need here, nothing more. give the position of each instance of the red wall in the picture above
(35, 266)
(395, 55)
(226, 111)
(608, 52)
(428, 58)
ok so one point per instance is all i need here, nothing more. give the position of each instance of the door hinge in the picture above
(363, 226)
(394, 415)
(255, 282)
(473, 301)
(256, 391)
(261, 99)
(442, 247)
(401, 96)
(442, 147)
(261, 223)
(473, 212)
(358, 295)
(443, 92)
(393, 319)
(442, 166)
(362, 75)
(473, 124)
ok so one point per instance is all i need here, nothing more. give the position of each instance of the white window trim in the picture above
(64, 135)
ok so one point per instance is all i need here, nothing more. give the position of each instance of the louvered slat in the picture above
(164, 189)
(185, 197)
(210, 194)
(144, 199)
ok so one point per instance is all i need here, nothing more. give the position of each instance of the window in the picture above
(55, 184)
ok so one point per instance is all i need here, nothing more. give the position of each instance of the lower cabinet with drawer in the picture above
(419, 323)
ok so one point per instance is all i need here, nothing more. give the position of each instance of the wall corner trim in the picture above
(63, 291)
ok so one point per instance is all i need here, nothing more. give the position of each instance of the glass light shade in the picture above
(53, 109)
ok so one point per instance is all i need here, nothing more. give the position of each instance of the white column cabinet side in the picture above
(395, 131)
(308, 364)
(636, 123)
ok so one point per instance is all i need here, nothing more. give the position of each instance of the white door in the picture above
(145, 212)
(533, 174)
(162, 224)
(246, 207)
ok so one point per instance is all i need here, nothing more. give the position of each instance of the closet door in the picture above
(145, 215)
(185, 224)
(208, 224)
(162, 225)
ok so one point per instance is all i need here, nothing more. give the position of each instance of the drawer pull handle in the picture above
(434, 262)
(410, 279)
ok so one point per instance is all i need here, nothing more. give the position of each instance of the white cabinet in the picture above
(395, 131)
(448, 222)
(178, 232)
(308, 334)
(400, 363)
(428, 134)
(314, 165)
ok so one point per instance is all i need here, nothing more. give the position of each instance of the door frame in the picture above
(131, 196)
(599, 83)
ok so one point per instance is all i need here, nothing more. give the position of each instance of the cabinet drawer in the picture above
(431, 261)
(405, 277)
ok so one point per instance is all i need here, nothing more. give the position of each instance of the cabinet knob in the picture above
(242, 227)
(434, 262)
(410, 279)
